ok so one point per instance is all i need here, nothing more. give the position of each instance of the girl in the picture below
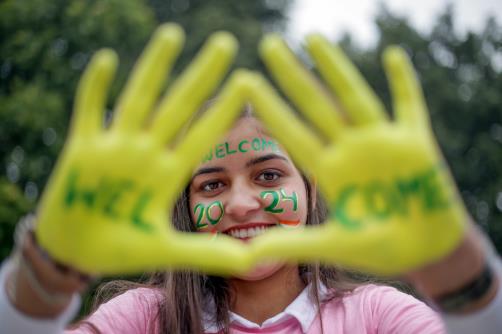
(255, 187)
(245, 185)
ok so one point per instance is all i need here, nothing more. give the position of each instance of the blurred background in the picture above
(457, 50)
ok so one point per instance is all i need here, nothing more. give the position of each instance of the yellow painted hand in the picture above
(106, 207)
(393, 205)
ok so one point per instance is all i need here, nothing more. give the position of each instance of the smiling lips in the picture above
(254, 230)
(249, 230)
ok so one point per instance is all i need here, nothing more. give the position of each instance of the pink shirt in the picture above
(369, 309)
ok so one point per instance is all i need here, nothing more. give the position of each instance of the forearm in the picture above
(484, 320)
(13, 320)
(22, 293)
(457, 271)
(36, 291)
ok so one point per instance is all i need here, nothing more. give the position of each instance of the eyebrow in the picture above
(264, 158)
(208, 170)
(252, 162)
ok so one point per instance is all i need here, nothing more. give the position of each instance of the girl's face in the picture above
(246, 184)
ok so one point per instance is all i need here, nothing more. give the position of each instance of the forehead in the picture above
(246, 127)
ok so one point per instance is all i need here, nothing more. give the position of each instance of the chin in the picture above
(261, 271)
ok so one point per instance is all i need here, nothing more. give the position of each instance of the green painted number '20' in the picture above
(205, 211)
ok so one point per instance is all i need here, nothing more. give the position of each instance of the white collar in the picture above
(302, 309)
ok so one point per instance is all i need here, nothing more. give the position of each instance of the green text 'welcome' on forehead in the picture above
(256, 144)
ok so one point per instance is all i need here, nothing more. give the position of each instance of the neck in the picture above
(260, 300)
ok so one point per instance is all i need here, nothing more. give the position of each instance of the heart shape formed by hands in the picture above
(106, 208)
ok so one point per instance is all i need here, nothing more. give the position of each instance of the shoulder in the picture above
(144, 300)
(140, 295)
(386, 309)
(373, 295)
(376, 295)
(134, 311)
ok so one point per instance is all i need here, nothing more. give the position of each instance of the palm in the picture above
(389, 180)
(384, 151)
(115, 190)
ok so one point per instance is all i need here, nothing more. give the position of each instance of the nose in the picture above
(243, 200)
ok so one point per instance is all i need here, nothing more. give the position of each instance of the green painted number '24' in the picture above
(278, 196)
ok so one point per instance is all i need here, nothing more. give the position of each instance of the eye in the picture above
(211, 186)
(269, 176)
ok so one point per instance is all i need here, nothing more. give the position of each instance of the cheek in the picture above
(206, 215)
(288, 204)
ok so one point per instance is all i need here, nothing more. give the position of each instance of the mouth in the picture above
(248, 231)
(252, 230)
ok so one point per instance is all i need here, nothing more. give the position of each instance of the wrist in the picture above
(37, 286)
(461, 282)
(26, 299)
(473, 296)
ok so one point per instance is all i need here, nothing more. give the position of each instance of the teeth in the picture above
(247, 232)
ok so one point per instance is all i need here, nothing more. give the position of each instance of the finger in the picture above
(331, 243)
(356, 96)
(202, 251)
(145, 83)
(180, 250)
(350, 248)
(311, 244)
(301, 86)
(194, 86)
(91, 94)
(215, 122)
(302, 144)
(409, 103)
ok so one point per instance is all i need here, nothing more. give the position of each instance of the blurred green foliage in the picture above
(43, 50)
(246, 19)
(44, 47)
